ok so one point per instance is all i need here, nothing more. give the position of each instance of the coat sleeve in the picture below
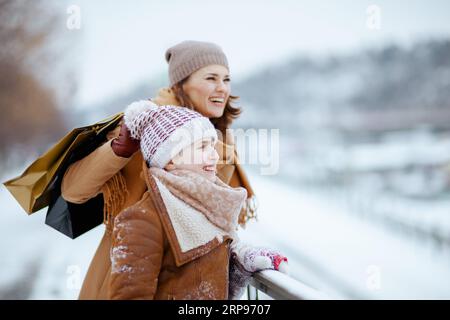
(136, 254)
(84, 179)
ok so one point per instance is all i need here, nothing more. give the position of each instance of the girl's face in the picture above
(209, 89)
(201, 157)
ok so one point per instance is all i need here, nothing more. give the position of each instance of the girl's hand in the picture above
(246, 260)
(255, 259)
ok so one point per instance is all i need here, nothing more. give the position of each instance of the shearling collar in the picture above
(189, 233)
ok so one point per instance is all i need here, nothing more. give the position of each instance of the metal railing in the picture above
(280, 286)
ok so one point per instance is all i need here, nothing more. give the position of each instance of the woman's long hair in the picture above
(224, 122)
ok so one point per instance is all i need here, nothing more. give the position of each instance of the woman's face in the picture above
(209, 89)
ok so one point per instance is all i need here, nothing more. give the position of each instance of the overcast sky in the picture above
(122, 43)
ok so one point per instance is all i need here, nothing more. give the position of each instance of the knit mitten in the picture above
(245, 260)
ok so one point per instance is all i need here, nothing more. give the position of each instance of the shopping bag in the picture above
(39, 185)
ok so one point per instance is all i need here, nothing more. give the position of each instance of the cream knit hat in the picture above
(164, 131)
(189, 56)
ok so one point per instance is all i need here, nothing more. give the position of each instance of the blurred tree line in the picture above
(31, 97)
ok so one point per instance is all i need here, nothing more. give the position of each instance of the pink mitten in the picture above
(245, 260)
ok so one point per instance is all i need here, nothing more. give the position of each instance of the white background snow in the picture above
(328, 248)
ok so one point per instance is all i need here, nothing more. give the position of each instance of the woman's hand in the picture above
(124, 145)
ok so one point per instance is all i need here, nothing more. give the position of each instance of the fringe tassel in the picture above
(249, 211)
(115, 193)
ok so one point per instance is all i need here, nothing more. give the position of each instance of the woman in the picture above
(199, 79)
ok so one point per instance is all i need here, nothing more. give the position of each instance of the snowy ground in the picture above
(328, 248)
(343, 254)
(38, 262)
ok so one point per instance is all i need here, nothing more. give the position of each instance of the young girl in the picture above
(179, 241)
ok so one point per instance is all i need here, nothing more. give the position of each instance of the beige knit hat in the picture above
(189, 56)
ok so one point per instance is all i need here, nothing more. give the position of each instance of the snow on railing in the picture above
(280, 286)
